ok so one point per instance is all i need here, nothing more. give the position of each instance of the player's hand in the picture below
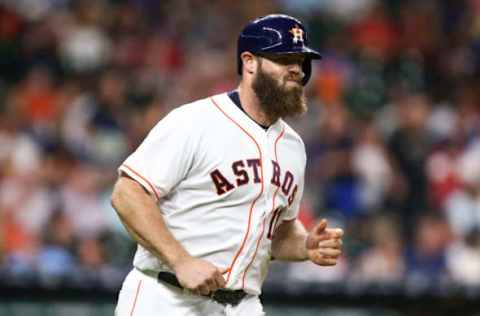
(324, 245)
(200, 276)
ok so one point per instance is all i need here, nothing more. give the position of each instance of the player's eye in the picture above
(285, 59)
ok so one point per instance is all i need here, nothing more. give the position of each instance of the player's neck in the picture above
(251, 105)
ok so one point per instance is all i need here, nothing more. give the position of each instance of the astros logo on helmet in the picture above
(297, 34)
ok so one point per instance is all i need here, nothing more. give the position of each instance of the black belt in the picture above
(232, 297)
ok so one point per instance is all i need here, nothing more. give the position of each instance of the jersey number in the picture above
(274, 221)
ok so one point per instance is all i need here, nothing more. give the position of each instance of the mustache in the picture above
(297, 79)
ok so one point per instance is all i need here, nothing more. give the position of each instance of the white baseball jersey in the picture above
(222, 183)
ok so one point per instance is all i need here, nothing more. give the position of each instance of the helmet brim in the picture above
(311, 53)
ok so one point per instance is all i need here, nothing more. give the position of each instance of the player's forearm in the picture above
(143, 220)
(289, 243)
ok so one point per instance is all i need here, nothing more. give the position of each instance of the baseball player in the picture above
(212, 194)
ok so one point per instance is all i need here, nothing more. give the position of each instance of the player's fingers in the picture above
(330, 252)
(334, 232)
(321, 226)
(220, 281)
(327, 262)
(330, 243)
(314, 240)
(212, 284)
(334, 243)
(203, 289)
(188, 285)
(193, 291)
(223, 270)
(323, 261)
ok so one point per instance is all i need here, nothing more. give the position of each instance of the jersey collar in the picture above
(237, 114)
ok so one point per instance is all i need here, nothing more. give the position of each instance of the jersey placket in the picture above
(267, 142)
(273, 135)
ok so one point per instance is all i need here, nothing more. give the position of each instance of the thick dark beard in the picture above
(277, 101)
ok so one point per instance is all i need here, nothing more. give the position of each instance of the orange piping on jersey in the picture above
(263, 224)
(136, 296)
(157, 196)
(254, 201)
(278, 188)
(255, 254)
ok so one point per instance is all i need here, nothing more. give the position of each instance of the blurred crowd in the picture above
(392, 132)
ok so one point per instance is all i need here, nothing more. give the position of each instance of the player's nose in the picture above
(295, 72)
(295, 68)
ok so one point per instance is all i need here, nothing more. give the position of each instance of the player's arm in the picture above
(321, 245)
(143, 220)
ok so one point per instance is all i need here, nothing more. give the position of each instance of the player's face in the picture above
(277, 84)
(286, 68)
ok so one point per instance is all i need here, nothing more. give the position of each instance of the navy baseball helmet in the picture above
(276, 34)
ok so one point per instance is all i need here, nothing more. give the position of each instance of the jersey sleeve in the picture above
(164, 157)
(291, 212)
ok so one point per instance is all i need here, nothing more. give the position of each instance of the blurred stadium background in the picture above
(392, 134)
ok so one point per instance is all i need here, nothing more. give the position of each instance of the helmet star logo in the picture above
(297, 33)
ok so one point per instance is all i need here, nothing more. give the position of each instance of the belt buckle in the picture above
(228, 297)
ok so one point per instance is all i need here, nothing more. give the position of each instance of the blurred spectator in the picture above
(463, 259)
(37, 99)
(331, 156)
(108, 122)
(409, 147)
(21, 251)
(382, 261)
(426, 258)
(463, 205)
(84, 45)
(81, 199)
(55, 259)
(375, 34)
(11, 25)
(26, 199)
(370, 162)
(93, 270)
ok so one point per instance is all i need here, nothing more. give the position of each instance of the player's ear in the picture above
(249, 62)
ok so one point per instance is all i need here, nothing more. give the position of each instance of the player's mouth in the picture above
(294, 79)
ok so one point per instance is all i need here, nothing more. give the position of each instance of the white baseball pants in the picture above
(143, 295)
